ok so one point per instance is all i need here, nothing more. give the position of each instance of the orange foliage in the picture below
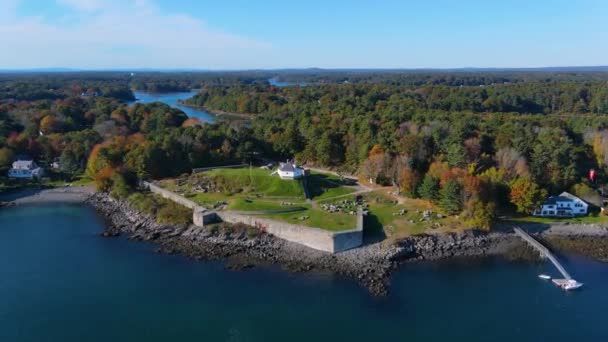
(103, 180)
(376, 151)
(192, 122)
(455, 173)
(48, 124)
(408, 181)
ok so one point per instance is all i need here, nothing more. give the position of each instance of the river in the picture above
(61, 281)
(172, 100)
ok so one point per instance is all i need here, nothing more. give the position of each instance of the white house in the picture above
(564, 205)
(289, 170)
(25, 169)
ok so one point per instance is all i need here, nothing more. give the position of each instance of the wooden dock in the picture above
(545, 253)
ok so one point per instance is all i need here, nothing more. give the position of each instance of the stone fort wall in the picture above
(316, 238)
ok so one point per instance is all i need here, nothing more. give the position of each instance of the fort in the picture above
(316, 238)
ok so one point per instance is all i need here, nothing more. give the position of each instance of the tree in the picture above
(450, 197)
(191, 122)
(456, 156)
(526, 195)
(49, 124)
(6, 157)
(375, 164)
(429, 188)
(408, 181)
(479, 215)
(511, 162)
(69, 164)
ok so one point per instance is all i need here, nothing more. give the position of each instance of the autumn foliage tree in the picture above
(408, 182)
(526, 195)
(375, 163)
(49, 124)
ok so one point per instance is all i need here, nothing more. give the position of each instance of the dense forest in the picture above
(474, 143)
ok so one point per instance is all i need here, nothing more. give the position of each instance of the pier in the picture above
(545, 253)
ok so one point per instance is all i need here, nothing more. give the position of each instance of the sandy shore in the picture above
(66, 194)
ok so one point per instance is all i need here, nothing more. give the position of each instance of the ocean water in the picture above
(172, 100)
(61, 281)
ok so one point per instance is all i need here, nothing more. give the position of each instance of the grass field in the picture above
(384, 214)
(255, 189)
(322, 186)
(254, 204)
(256, 180)
(317, 218)
(589, 219)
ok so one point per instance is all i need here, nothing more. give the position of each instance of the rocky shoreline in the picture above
(243, 247)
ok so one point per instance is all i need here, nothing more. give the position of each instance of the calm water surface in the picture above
(60, 281)
(172, 100)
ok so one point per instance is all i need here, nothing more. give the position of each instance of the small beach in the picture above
(64, 194)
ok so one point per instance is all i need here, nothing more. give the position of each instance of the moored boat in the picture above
(544, 276)
(567, 284)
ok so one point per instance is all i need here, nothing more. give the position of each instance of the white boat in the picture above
(568, 284)
(544, 276)
(572, 285)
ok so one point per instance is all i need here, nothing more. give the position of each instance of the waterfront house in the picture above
(564, 205)
(25, 169)
(289, 170)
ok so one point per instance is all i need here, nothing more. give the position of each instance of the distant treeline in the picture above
(474, 150)
(524, 98)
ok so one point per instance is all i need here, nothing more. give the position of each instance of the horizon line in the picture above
(364, 69)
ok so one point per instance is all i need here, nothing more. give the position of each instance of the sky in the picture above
(274, 34)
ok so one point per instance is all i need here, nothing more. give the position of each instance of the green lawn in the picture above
(589, 219)
(254, 189)
(322, 186)
(210, 198)
(255, 204)
(257, 180)
(384, 215)
(318, 218)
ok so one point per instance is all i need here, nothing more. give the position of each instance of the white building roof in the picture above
(23, 164)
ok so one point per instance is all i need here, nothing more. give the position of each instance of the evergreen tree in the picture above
(450, 197)
(456, 155)
(429, 188)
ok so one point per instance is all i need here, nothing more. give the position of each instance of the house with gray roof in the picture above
(564, 205)
(289, 170)
(25, 169)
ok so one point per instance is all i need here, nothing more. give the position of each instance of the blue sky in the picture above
(239, 34)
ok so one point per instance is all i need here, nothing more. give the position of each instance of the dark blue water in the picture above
(172, 100)
(60, 281)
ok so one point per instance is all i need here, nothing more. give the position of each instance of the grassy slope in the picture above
(323, 186)
(259, 181)
(383, 216)
(318, 218)
(551, 220)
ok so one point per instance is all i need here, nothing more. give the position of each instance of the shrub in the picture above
(144, 202)
(480, 215)
(252, 232)
(173, 213)
(120, 188)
